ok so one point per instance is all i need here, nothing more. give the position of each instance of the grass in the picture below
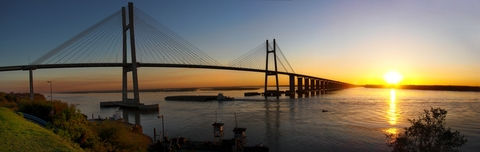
(18, 134)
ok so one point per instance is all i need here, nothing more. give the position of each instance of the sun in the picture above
(392, 77)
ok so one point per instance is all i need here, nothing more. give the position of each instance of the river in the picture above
(354, 119)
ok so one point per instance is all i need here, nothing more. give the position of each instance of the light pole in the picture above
(51, 96)
(163, 126)
(163, 133)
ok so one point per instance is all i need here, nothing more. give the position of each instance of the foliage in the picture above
(66, 121)
(18, 134)
(13, 100)
(427, 134)
(41, 109)
(118, 136)
(71, 124)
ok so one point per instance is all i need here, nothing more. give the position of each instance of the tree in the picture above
(427, 134)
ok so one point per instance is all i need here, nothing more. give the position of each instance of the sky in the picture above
(427, 41)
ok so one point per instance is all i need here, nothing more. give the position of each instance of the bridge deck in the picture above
(89, 65)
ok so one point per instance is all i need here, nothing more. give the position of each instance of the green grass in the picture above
(18, 134)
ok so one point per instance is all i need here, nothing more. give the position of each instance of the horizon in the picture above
(160, 89)
(428, 43)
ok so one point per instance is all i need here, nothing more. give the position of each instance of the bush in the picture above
(13, 100)
(41, 109)
(427, 134)
(71, 124)
(118, 136)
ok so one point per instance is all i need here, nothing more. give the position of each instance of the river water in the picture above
(355, 119)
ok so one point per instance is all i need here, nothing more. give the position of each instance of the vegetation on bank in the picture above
(427, 133)
(67, 122)
(18, 134)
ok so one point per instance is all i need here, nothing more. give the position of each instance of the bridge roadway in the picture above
(91, 65)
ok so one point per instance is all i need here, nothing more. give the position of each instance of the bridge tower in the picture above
(126, 66)
(271, 73)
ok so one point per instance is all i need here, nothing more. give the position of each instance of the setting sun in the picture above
(393, 77)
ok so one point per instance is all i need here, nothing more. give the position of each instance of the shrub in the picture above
(118, 136)
(71, 124)
(427, 134)
(41, 109)
(13, 100)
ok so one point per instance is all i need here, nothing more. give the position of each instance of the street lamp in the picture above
(163, 132)
(163, 126)
(51, 96)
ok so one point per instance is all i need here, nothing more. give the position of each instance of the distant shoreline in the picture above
(430, 87)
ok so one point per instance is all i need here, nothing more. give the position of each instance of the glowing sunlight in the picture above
(393, 77)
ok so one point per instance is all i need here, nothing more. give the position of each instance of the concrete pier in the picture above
(312, 86)
(300, 86)
(292, 86)
(322, 86)
(307, 87)
(32, 94)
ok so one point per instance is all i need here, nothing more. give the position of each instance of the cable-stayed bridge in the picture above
(130, 39)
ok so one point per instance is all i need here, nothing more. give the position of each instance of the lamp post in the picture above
(51, 96)
(163, 133)
(163, 126)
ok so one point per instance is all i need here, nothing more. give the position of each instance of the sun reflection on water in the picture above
(392, 114)
(393, 131)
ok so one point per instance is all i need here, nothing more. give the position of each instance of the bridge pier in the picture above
(307, 86)
(317, 86)
(312, 86)
(322, 87)
(327, 86)
(292, 86)
(32, 94)
(300, 86)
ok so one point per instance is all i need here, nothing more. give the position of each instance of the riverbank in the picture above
(17, 133)
(67, 123)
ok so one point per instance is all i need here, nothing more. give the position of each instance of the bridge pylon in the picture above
(129, 67)
(271, 73)
(126, 66)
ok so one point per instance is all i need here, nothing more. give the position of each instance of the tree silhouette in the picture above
(427, 134)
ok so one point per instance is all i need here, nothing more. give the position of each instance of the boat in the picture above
(219, 97)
